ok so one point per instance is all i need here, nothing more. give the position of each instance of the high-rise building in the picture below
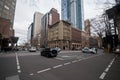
(7, 12)
(72, 11)
(48, 20)
(87, 26)
(53, 16)
(34, 30)
(30, 33)
(44, 33)
(7, 9)
(37, 23)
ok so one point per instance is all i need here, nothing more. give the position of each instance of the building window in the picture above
(0, 9)
(8, 2)
(13, 3)
(6, 12)
(5, 16)
(1, 3)
(11, 11)
(14, 0)
(6, 7)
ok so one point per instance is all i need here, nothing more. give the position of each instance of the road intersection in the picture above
(68, 65)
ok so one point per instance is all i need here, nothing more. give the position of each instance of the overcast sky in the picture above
(25, 10)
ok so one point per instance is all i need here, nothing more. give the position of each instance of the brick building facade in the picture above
(6, 28)
(64, 36)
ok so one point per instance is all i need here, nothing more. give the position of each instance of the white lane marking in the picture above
(18, 67)
(31, 74)
(113, 59)
(66, 56)
(58, 66)
(15, 77)
(107, 69)
(59, 58)
(67, 63)
(18, 64)
(43, 70)
(91, 57)
(19, 71)
(103, 75)
(111, 62)
(63, 64)
(79, 59)
(74, 61)
(109, 66)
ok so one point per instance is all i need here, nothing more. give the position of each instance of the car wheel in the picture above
(54, 52)
(55, 55)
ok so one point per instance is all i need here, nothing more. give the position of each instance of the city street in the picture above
(68, 65)
(60, 40)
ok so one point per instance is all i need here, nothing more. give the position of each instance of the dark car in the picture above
(49, 52)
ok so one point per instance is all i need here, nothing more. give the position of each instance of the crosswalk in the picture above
(14, 77)
(68, 55)
(63, 55)
(12, 54)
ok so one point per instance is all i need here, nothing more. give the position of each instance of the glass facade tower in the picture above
(72, 11)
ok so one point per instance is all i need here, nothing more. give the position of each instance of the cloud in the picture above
(90, 10)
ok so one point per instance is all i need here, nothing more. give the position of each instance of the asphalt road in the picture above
(68, 65)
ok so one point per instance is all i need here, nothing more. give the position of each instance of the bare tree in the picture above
(98, 27)
(100, 24)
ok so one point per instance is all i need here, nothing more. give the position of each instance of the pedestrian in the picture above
(96, 50)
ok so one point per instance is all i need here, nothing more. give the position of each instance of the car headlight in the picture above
(117, 49)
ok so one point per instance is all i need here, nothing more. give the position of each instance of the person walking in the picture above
(96, 50)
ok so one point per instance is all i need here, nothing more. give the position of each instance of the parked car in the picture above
(49, 52)
(88, 50)
(117, 50)
(93, 50)
(32, 49)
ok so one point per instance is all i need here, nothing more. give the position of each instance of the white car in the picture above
(88, 50)
(93, 50)
(32, 49)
